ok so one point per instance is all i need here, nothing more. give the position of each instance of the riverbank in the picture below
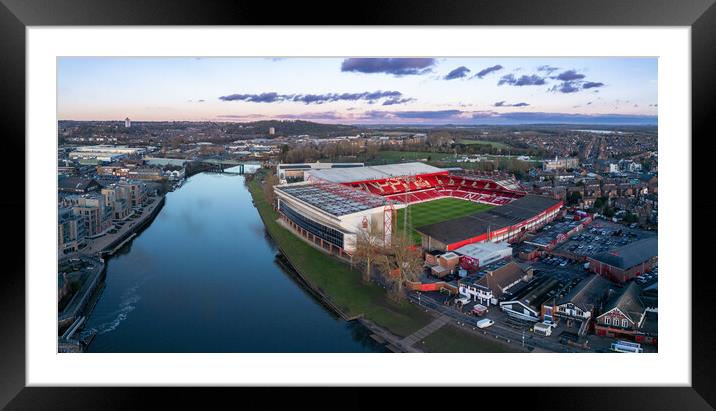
(109, 243)
(336, 281)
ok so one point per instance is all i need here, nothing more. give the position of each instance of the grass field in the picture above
(494, 144)
(389, 157)
(452, 339)
(435, 211)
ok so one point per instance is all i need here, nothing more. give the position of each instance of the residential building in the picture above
(118, 198)
(491, 286)
(97, 216)
(580, 305)
(527, 303)
(70, 231)
(623, 314)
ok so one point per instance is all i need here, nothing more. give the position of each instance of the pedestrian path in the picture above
(425, 331)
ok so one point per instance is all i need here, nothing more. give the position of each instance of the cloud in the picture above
(457, 73)
(393, 97)
(569, 75)
(547, 69)
(592, 84)
(482, 73)
(394, 101)
(524, 80)
(255, 98)
(504, 104)
(572, 82)
(394, 66)
(566, 87)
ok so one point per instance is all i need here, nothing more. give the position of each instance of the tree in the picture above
(574, 198)
(401, 262)
(630, 217)
(369, 246)
(270, 181)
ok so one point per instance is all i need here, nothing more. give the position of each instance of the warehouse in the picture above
(506, 223)
(329, 215)
(624, 263)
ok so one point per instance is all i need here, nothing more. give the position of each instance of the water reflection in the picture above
(203, 277)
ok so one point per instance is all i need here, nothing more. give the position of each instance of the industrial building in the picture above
(624, 263)
(105, 153)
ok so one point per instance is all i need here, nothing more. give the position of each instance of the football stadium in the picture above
(447, 211)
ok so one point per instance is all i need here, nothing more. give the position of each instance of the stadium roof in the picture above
(334, 199)
(631, 254)
(370, 173)
(473, 225)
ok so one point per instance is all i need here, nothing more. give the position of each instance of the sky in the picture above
(421, 90)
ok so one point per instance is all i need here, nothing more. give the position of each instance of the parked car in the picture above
(484, 323)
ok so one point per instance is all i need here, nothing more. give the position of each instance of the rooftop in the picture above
(588, 294)
(371, 173)
(631, 254)
(334, 199)
(627, 301)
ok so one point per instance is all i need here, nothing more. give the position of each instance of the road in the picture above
(499, 330)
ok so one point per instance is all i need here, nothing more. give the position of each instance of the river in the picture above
(203, 277)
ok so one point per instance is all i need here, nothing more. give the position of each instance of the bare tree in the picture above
(369, 246)
(270, 181)
(401, 262)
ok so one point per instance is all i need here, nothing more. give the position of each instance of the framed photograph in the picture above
(466, 198)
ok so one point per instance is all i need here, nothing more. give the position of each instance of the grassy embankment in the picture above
(435, 211)
(337, 280)
(452, 339)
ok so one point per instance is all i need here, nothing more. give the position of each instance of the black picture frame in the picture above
(16, 15)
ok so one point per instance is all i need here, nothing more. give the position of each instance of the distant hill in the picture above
(292, 127)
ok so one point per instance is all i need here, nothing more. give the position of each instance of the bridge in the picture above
(220, 165)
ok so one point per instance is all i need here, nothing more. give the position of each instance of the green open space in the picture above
(389, 157)
(494, 144)
(435, 211)
(452, 339)
(336, 279)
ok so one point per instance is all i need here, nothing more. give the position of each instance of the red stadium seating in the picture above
(430, 187)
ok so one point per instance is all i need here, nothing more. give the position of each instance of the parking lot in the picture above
(600, 237)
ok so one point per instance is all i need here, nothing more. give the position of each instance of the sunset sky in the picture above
(361, 90)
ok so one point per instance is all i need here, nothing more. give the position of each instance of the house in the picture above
(648, 332)
(527, 303)
(579, 305)
(493, 283)
(623, 314)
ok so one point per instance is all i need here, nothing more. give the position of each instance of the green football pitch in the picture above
(435, 211)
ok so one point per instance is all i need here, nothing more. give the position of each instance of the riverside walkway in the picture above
(419, 335)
